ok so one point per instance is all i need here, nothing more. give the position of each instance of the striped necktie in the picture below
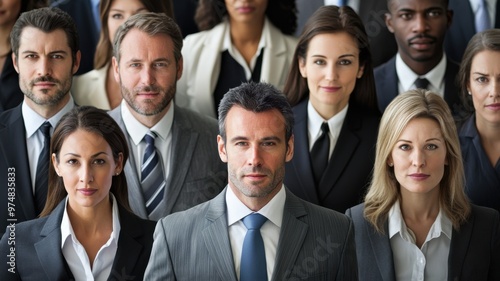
(482, 17)
(152, 177)
(42, 169)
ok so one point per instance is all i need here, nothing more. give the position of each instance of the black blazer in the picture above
(474, 249)
(462, 28)
(386, 82)
(10, 93)
(349, 170)
(38, 254)
(14, 171)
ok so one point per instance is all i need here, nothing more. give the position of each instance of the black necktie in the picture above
(42, 169)
(320, 153)
(422, 83)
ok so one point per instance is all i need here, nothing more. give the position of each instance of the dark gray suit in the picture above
(372, 12)
(315, 244)
(386, 82)
(38, 254)
(196, 172)
(474, 249)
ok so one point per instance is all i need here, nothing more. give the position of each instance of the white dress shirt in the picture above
(270, 230)
(427, 263)
(35, 138)
(407, 77)
(76, 256)
(492, 8)
(163, 143)
(314, 122)
(238, 57)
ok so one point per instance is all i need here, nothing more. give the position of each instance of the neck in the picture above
(327, 111)
(91, 220)
(420, 206)
(47, 111)
(149, 120)
(255, 203)
(419, 67)
(488, 130)
(246, 32)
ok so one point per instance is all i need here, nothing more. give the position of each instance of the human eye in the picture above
(431, 146)
(31, 56)
(57, 56)
(482, 79)
(241, 143)
(404, 147)
(269, 143)
(99, 161)
(117, 16)
(345, 62)
(319, 62)
(72, 162)
(134, 65)
(160, 65)
(406, 15)
(434, 13)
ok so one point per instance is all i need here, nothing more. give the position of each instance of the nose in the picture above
(147, 76)
(495, 89)
(43, 67)
(331, 73)
(254, 156)
(420, 25)
(86, 175)
(418, 158)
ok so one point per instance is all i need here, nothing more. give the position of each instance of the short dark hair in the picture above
(152, 24)
(97, 121)
(256, 97)
(47, 20)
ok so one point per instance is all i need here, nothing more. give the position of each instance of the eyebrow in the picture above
(341, 56)
(50, 53)
(241, 138)
(427, 140)
(122, 11)
(92, 156)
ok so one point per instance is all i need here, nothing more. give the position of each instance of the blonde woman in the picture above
(416, 222)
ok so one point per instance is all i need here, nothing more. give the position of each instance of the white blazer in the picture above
(90, 88)
(202, 56)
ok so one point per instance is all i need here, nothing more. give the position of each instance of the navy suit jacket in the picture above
(462, 28)
(474, 249)
(349, 169)
(386, 82)
(38, 254)
(10, 93)
(314, 244)
(15, 180)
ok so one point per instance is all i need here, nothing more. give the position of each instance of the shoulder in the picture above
(380, 70)
(318, 216)
(184, 223)
(10, 115)
(201, 38)
(190, 119)
(485, 213)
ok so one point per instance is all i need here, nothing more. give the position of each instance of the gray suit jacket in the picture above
(196, 174)
(315, 244)
(474, 249)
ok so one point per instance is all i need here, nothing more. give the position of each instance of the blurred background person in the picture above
(10, 93)
(416, 222)
(331, 89)
(239, 41)
(479, 78)
(99, 87)
(86, 230)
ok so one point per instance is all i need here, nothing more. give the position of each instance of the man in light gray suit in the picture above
(172, 164)
(298, 240)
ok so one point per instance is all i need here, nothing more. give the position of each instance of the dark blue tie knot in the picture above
(254, 221)
(45, 129)
(149, 137)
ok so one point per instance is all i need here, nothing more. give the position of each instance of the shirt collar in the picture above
(273, 210)
(67, 229)
(314, 122)
(35, 120)
(407, 77)
(138, 130)
(442, 224)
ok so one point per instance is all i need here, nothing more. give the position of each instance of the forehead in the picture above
(32, 38)
(137, 42)
(84, 142)
(395, 5)
(422, 127)
(246, 123)
(333, 43)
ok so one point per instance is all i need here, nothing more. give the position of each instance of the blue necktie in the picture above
(482, 17)
(152, 177)
(42, 169)
(253, 256)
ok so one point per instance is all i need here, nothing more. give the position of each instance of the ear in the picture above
(116, 69)
(361, 70)
(222, 149)
(14, 61)
(388, 22)
(449, 15)
(302, 67)
(76, 63)
(55, 164)
(289, 150)
(119, 164)
(390, 162)
(180, 66)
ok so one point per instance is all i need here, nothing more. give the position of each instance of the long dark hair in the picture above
(281, 13)
(332, 19)
(96, 121)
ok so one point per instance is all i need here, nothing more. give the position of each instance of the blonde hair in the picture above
(384, 189)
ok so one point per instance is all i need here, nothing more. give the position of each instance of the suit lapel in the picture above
(302, 163)
(183, 144)
(48, 249)
(381, 247)
(388, 84)
(216, 238)
(13, 140)
(292, 235)
(460, 241)
(274, 60)
(450, 90)
(135, 195)
(346, 144)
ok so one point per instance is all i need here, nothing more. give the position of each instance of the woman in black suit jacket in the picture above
(331, 81)
(86, 229)
(416, 222)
